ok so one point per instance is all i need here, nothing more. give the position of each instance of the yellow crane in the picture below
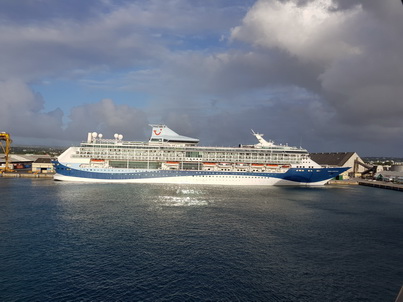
(5, 137)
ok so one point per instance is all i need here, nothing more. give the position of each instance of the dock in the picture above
(368, 183)
(26, 175)
(345, 182)
(381, 184)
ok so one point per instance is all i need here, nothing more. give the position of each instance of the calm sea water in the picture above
(127, 242)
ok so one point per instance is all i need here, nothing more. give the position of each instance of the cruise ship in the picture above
(175, 159)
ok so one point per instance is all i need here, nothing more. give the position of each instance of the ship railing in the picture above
(175, 157)
(138, 145)
(181, 153)
(232, 161)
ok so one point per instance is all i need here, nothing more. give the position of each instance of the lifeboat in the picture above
(257, 166)
(172, 163)
(97, 160)
(209, 164)
(270, 166)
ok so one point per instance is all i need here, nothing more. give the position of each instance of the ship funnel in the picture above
(162, 133)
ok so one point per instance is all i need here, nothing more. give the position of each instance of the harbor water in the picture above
(139, 242)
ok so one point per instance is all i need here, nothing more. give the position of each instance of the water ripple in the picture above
(74, 242)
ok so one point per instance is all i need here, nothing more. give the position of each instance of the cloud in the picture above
(101, 36)
(64, 48)
(350, 54)
(22, 115)
(315, 31)
(107, 118)
(22, 112)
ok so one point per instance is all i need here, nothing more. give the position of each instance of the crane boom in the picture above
(6, 137)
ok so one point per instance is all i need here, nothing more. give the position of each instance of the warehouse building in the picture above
(394, 174)
(42, 165)
(342, 159)
(29, 163)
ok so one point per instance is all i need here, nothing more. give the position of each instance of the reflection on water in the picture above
(183, 197)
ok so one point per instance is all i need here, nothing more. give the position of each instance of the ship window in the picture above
(193, 154)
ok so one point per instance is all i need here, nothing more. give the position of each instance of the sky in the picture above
(325, 75)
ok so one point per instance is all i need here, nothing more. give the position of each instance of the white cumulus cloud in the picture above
(313, 31)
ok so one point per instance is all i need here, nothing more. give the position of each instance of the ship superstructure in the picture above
(172, 158)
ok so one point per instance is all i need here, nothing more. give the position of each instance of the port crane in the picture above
(5, 137)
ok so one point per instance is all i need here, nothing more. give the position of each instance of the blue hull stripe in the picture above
(298, 175)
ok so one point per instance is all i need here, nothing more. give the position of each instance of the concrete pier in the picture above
(368, 183)
(25, 175)
(381, 184)
(343, 182)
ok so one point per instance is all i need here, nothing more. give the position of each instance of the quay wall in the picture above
(26, 175)
(343, 182)
(368, 183)
(381, 184)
